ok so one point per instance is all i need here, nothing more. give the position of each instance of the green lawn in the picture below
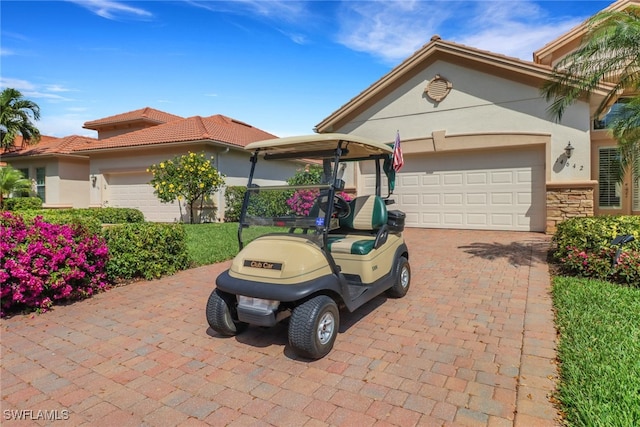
(599, 352)
(215, 242)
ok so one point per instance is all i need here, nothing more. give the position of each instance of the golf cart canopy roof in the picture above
(319, 146)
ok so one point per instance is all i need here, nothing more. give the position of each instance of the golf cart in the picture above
(330, 253)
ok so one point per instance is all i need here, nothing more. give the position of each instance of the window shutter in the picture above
(636, 191)
(609, 189)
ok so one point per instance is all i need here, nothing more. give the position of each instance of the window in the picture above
(40, 181)
(613, 113)
(609, 189)
(24, 172)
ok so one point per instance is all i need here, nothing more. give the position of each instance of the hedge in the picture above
(266, 203)
(583, 248)
(22, 203)
(147, 250)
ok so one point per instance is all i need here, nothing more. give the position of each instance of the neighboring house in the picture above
(59, 176)
(480, 148)
(112, 169)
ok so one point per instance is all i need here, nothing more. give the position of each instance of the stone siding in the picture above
(565, 203)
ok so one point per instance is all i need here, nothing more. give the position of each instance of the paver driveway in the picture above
(471, 344)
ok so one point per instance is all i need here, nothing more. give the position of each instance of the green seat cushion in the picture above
(354, 245)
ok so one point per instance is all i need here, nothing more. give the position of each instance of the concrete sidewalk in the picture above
(472, 343)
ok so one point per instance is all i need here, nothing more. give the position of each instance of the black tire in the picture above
(313, 327)
(221, 313)
(401, 279)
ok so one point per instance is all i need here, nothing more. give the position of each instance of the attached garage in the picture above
(481, 189)
(132, 190)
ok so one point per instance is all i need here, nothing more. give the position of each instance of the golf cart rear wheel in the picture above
(401, 280)
(313, 327)
(220, 314)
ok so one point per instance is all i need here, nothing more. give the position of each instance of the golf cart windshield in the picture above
(311, 201)
(294, 207)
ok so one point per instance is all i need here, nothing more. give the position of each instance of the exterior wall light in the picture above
(93, 181)
(568, 150)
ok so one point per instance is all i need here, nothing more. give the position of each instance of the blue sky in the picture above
(280, 65)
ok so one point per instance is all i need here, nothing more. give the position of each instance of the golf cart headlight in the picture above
(263, 305)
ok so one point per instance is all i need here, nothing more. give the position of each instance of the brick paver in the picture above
(472, 343)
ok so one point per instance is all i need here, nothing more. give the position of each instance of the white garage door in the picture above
(132, 190)
(486, 190)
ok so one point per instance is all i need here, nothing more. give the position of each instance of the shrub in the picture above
(269, 203)
(302, 201)
(310, 175)
(233, 197)
(114, 215)
(595, 233)
(263, 203)
(147, 250)
(22, 203)
(584, 248)
(41, 263)
(72, 217)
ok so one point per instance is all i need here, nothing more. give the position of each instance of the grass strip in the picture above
(215, 242)
(599, 352)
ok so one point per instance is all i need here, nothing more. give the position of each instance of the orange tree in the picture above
(190, 176)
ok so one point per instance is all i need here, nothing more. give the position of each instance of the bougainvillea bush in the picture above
(302, 201)
(43, 263)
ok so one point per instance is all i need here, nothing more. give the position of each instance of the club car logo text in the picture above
(263, 265)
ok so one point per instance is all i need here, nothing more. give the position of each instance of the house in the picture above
(59, 176)
(480, 148)
(111, 170)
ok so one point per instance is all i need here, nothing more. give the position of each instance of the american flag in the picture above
(398, 160)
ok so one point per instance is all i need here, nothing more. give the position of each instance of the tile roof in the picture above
(146, 114)
(49, 145)
(217, 128)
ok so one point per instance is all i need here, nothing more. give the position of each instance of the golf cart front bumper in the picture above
(276, 291)
(261, 312)
(261, 303)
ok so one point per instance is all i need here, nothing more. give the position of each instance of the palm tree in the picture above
(16, 115)
(609, 53)
(12, 182)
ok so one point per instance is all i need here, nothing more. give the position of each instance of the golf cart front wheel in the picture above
(313, 327)
(401, 280)
(220, 310)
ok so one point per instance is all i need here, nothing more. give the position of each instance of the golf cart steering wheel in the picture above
(341, 208)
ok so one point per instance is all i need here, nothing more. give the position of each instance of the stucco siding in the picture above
(123, 175)
(478, 103)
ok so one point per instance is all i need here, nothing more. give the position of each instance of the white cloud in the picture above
(63, 125)
(280, 10)
(33, 91)
(113, 10)
(278, 13)
(514, 28)
(58, 88)
(392, 31)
